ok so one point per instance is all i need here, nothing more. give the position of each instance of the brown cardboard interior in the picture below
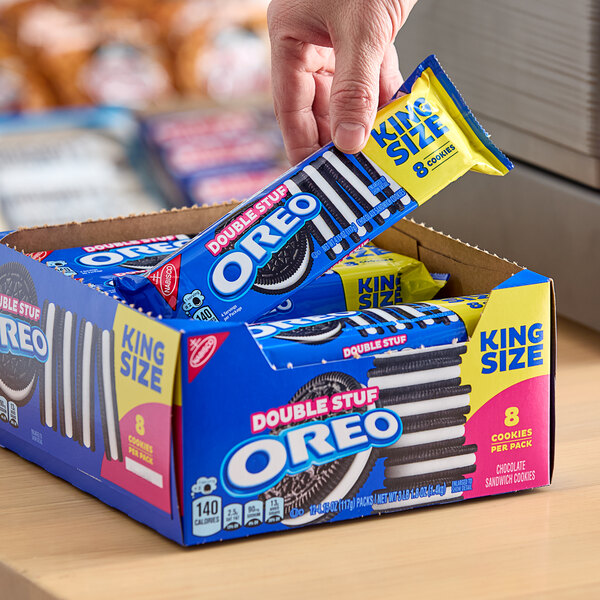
(471, 270)
(70, 235)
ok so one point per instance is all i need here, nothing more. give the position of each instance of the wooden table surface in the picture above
(57, 542)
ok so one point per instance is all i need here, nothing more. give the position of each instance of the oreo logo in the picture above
(115, 256)
(259, 463)
(23, 345)
(235, 272)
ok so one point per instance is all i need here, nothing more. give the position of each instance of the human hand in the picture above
(333, 65)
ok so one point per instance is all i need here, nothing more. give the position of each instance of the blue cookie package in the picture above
(295, 229)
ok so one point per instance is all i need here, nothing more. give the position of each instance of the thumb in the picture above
(355, 88)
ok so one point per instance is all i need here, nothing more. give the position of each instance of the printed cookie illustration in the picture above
(20, 360)
(288, 267)
(144, 263)
(64, 353)
(192, 301)
(348, 188)
(423, 387)
(86, 388)
(314, 334)
(107, 399)
(336, 480)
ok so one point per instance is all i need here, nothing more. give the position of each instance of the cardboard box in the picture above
(156, 417)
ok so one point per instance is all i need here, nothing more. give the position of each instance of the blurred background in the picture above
(529, 70)
(113, 107)
(119, 106)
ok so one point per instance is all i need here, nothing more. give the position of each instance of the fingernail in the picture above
(348, 137)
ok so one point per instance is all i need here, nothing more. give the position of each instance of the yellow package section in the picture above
(146, 354)
(469, 308)
(424, 142)
(511, 343)
(373, 278)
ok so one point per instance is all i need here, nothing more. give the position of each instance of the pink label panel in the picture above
(512, 435)
(145, 469)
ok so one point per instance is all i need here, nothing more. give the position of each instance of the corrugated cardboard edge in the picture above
(188, 220)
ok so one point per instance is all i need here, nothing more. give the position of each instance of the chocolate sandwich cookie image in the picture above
(424, 388)
(107, 399)
(420, 359)
(348, 195)
(66, 373)
(86, 383)
(406, 370)
(287, 267)
(316, 334)
(332, 481)
(24, 347)
(47, 380)
(430, 460)
(442, 459)
(393, 329)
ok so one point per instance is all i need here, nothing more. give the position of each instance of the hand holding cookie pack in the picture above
(294, 230)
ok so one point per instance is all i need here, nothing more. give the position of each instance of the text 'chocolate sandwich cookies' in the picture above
(296, 229)
(310, 340)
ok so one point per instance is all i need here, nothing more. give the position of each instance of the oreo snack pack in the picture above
(314, 339)
(297, 228)
(369, 277)
(97, 265)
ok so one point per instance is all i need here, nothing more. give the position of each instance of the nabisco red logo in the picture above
(39, 255)
(201, 349)
(166, 281)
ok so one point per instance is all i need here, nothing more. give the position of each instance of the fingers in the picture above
(312, 103)
(294, 93)
(390, 78)
(355, 88)
(323, 82)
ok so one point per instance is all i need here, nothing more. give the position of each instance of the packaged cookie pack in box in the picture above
(178, 411)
